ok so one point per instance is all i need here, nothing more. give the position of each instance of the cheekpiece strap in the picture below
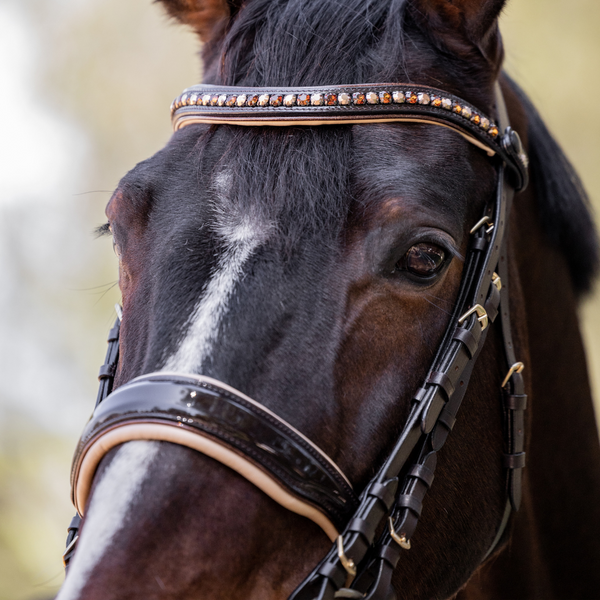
(342, 105)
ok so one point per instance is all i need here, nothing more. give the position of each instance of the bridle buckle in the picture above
(482, 316)
(516, 368)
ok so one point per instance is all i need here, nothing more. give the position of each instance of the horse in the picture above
(309, 273)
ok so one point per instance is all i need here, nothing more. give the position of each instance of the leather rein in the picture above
(216, 420)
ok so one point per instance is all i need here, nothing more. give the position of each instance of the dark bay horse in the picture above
(315, 269)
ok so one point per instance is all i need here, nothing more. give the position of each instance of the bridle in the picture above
(211, 417)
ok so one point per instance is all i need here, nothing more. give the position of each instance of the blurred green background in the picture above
(84, 95)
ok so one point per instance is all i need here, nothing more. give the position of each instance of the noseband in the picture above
(216, 420)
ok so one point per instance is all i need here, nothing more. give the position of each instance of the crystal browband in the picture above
(357, 99)
(348, 104)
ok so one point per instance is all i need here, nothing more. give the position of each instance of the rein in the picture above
(211, 417)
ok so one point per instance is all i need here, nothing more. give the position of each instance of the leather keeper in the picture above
(385, 492)
(366, 529)
(411, 502)
(113, 334)
(447, 419)
(514, 461)
(423, 473)
(334, 572)
(479, 243)
(107, 371)
(492, 303)
(419, 394)
(516, 401)
(390, 554)
(468, 340)
(441, 379)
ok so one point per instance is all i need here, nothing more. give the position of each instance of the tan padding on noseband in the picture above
(191, 119)
(177, 434)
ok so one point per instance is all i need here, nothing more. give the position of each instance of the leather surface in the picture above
(234, 421)
(189, 108)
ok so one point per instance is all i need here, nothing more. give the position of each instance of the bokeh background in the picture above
(85, 87)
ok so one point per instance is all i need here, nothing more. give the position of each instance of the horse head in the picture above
(315, 269)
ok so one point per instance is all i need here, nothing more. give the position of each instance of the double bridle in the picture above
(215, 419)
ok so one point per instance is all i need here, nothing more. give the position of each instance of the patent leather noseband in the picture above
(223, 423)
(213, 418)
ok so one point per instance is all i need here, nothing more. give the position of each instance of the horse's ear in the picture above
(462, 26)
(206, 17)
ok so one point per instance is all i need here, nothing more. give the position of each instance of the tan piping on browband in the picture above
(177, 434)
(190, 119)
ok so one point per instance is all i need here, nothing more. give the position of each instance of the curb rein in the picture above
(357, 566)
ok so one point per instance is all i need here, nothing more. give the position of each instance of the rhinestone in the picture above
(399, 97)
(331, 99)
(241, 100)
(493, 131)
(372, 98)
(193, 99)
(263, 99)
(230, 100)
(303, 99)
(222, 99)
(411, 98)
(436, 101)
(476, 119)
(485, 123)
(183, 100)
(206, 99)
(447, 103)
(316, 99)
(466, 112)
(423, 98)
(290, 100)
(344, 98)
(385, 97)
(276, 100)
(214, 100)
(173, 106)
(359, 98)
(457, 108)
(252, 100)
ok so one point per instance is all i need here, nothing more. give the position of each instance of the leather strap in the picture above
(345, 105)
(234, 429)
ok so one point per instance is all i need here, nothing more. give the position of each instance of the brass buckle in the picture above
(516, 368)
(497, 281)
(347, 563)
(482, 316)
(482, 222)
(399, 539)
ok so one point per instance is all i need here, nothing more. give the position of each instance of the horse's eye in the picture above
(423, 260)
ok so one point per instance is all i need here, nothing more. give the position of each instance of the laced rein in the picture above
(357, 566)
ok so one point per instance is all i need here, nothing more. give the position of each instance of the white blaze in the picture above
(242, 233)
(106, 514)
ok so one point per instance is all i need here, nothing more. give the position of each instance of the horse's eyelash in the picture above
(103, 230)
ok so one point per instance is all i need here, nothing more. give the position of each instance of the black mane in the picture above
(564, 206)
